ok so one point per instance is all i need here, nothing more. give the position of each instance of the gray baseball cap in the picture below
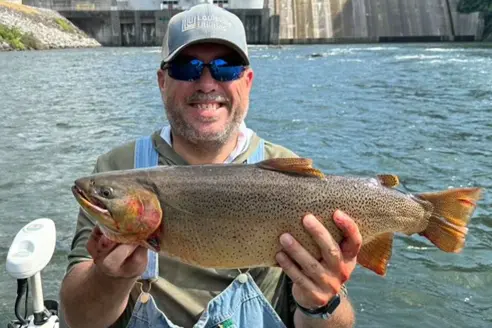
(204, 23)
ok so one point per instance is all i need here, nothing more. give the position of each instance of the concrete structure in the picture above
(99, 5)
(147, 28)
(71, 4)
(315, 21)
(138, 22)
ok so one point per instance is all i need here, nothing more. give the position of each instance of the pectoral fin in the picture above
(300, 166)
(376, 254)
(389, 180)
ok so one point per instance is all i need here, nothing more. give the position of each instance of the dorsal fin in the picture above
(300, 166)
(388, 180)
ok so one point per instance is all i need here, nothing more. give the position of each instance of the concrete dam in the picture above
(305, 21)
(292, 22)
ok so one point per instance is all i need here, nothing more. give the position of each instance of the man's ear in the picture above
(249, 77)
(161, 79)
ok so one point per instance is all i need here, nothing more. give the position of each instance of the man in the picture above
(205, 82)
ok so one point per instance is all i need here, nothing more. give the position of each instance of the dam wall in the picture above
(147, 27)
(319, 21)
(287, 21)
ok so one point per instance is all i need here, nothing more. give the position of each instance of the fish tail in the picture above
(448, 222)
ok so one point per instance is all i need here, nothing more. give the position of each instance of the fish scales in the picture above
(234, 217)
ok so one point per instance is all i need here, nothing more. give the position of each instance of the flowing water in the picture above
(421, 111)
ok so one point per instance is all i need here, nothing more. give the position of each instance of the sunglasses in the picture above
(185, 68)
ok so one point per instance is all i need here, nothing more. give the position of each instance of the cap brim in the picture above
(209, 40)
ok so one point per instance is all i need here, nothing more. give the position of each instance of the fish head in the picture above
(126, 210)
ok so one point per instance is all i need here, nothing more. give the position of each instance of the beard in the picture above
(188, 132)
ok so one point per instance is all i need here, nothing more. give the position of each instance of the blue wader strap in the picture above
(258, 155)
(147, 156)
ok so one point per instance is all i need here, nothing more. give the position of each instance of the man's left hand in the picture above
(316, 282)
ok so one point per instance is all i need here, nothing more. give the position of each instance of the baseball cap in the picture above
(204, 23)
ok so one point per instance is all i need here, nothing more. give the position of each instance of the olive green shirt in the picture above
(183, 291)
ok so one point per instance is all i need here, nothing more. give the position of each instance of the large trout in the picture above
(231, 216)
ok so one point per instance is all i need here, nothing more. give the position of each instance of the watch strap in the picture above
(324, 312)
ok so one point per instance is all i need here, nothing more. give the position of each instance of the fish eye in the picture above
(106, 192)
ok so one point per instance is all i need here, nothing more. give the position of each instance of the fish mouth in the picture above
(91, 204)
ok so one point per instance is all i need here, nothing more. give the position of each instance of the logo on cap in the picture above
(205, 22)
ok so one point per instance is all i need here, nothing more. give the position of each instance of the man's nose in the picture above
(206, 83)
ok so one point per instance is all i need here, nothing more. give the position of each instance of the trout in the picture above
(228, 216)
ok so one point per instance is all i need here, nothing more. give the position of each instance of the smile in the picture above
(207, 106)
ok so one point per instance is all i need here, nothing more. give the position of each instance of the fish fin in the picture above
(300, 166)
(453, 209)
(376, 254)
(388, 180)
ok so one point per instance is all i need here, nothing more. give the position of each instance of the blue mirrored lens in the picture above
(192, 70)
(222, 71)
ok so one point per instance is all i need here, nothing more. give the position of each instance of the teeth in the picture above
(213, 106)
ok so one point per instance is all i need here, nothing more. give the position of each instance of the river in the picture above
(421, 111)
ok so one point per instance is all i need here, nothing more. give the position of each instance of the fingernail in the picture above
(340, 214)
(280, 257)
(286, 239)
(340, 218)
(309, 221)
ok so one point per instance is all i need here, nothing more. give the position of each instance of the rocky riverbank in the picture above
(30, 28)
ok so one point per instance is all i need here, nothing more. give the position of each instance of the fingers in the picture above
(98, 245)
(301, 256)
(118, 256)
(317, 280)
(116, 260)
(337, 261)
(293, 271)
(139, 257)
(351, 244)
(308, 271)
(329, 248)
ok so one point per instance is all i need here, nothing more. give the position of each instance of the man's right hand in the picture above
(116, 260)
(95, 293)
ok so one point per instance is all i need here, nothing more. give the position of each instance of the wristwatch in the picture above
(324, 312)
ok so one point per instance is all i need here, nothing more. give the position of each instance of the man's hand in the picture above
(116, 260)
(315, 282)
(114, 269)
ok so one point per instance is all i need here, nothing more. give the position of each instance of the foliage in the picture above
(64, 25)
(16, 39)
(470, 6)
(484, 7)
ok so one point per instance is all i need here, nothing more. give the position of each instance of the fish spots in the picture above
(234, 219)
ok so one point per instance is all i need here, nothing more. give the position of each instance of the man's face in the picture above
(206, 110)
